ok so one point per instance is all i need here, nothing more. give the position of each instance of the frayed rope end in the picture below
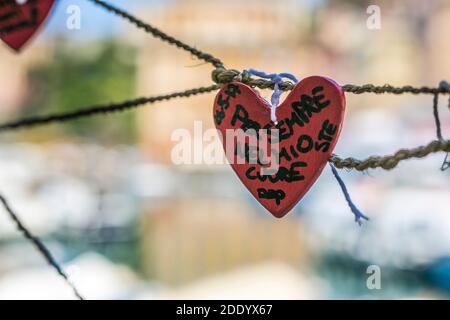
(359, 216)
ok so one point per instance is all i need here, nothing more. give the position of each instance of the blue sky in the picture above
(95, 21)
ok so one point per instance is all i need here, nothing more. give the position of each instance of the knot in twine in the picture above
(276, 79)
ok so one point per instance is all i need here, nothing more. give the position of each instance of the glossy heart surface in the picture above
(278, 163)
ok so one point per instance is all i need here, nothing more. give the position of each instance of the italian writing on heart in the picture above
(273, 159)
(12, 17)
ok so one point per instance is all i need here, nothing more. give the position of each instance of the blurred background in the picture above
(105, 197)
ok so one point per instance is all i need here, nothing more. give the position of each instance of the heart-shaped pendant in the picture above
(19, 22)
(279, 163)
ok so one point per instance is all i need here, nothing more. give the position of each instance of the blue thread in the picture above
(358, 214)
(276, 78)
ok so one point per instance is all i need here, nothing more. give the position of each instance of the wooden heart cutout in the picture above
(19, 22)
(279, 171)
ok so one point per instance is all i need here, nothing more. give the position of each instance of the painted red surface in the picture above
(309, 122)
(18, 23)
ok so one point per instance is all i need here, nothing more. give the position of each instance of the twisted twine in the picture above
(223, 76)
(391, 161)
(159, 34)
(100, 109)
(43, 250)
(384, 162)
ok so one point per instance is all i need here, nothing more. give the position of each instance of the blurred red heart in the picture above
(19, 22)
(309, 124)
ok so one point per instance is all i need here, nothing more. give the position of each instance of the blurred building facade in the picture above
(207, 234)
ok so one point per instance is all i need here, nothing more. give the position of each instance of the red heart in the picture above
(19, 22)
(309, 124)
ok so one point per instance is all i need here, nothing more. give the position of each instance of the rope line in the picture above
(45, 252)
(223, 76)
(159, 34)
(125, 105)
(391, 161)
(100, 109)
(437, 121)
(384, 162)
